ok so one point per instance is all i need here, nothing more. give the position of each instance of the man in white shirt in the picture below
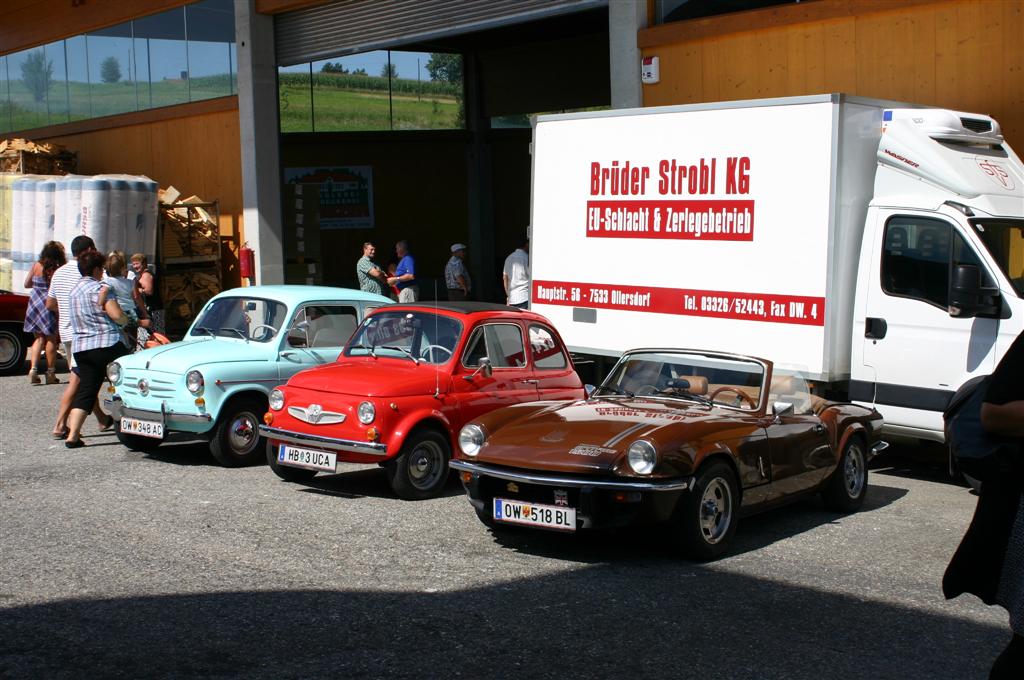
(516, 276)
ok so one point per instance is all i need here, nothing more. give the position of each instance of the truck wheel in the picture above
(134, 441)
(420, 470)
(706, 516)
(12, 350)
(286, 472)
(236, 439)
(846, 488)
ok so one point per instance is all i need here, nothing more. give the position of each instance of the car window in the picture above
(253, 319)
(917, 256)
(546, 351)
(329, 325)
(501, 343)
(417, 336)
(790, 387)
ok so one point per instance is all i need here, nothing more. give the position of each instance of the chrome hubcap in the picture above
(426, 465)
(242, 435)
(715, 510)
(854, 471)
(7, 350)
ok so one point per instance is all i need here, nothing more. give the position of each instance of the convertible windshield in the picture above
(421, 337)
(249, 319)
(1004, 240)
(709, 379)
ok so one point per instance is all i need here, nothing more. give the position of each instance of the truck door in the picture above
(919, 354)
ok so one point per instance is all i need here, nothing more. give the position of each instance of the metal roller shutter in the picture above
(351, 26)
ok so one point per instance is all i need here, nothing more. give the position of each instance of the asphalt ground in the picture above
(119, 564)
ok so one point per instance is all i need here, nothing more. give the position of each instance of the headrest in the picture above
(693, 384)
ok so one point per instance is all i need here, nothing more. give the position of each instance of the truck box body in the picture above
(754, 227)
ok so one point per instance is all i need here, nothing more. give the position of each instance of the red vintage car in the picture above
(410, 377)
(13, 340)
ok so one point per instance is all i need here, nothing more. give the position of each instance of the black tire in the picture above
(134, 441)
(706, 516)
(846, 488)
(485, 517)
(236, 439)
(13, 348)
(420, 470)
(285, 472)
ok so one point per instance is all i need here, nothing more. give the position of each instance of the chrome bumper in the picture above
(329, 443)
(549, 479)
(164, 415)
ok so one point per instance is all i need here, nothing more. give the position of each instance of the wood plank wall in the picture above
(964, 54)
(199, 155)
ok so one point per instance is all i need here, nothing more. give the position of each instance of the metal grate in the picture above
(976, 124)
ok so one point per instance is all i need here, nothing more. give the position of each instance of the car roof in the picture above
(293, 295)
(466, 308)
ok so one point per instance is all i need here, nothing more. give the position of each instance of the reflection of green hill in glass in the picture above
(339, 109)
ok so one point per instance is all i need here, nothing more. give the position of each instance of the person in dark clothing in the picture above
(989, 562)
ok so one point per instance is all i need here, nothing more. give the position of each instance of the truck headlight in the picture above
(367, 412)
(194, 382)
(276, 399)
(114, 373)
(642, 457)
(471, 439)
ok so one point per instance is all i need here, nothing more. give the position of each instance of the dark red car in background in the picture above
(14, 342)
(410, 377)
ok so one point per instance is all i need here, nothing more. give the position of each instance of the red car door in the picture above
(511, 380)
(556, 378)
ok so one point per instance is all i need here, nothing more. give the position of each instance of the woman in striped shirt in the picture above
(96, 322)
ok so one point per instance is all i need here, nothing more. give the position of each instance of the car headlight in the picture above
(367, 412)
(276, 399)
(471, 438)
(642, 457)
(114, 373)
(194, 382)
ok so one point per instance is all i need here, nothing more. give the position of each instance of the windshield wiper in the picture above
(204, 328)
(681, 393)
(241, 334)
(412, 356)
(362, 346)
(614, 390)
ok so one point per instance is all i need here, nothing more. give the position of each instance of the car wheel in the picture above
(12, 351)
(706, 516)
(846, 488)
(134, 441)
(286, 472)
(420, 470)
(236, 439)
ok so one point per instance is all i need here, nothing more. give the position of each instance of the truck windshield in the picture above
(1004, 240)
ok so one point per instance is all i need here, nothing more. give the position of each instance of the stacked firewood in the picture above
(32, 158)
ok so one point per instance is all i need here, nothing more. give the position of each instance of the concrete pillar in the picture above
(258, 123)
(625, 18)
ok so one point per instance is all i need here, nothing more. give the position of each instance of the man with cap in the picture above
(455, 275)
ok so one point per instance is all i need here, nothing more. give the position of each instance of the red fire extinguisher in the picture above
(247, 263)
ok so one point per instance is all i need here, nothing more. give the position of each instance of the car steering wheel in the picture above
(645, 390)
(743, 396)
(259, 326)
(426, 351)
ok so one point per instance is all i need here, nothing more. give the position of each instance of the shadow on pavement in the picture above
(372, 482)
(637, 619)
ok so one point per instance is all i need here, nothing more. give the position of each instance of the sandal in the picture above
(63, 434)
(77, 444)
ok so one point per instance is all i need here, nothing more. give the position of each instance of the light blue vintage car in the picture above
(213, 385)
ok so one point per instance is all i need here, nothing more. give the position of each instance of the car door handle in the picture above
(530, 381)
(286, 355)
(875, 328)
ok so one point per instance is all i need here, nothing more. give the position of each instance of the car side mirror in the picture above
(967, 297)
(781, 408)
(302, 340)
(484, 367)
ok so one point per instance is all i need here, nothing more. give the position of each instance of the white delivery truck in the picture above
(878, 247)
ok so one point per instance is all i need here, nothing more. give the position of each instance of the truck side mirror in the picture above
(967, 297)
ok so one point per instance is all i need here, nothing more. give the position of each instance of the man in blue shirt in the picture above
(405, 274)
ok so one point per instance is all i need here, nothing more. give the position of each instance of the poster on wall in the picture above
(346, 194)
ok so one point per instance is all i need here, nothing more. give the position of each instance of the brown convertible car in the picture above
(688, 438)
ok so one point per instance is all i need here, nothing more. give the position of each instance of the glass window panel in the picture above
(31, 78)
(78, 78)
(294, 98)
(426, 91)
(143, 79)
(162, 39)
(351, 93)
(57, 97)
(210, 27)
(111, 84)
(5, 100)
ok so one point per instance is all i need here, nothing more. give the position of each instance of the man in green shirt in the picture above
(371, 277)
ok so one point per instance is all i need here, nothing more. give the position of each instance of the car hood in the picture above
(592, 437)
(179, 357)
(373, 378)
